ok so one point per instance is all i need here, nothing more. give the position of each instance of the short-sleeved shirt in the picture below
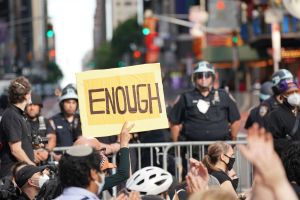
(214, 124)
(13, 128)
(66, 132)
(221, 176)
(259, 113)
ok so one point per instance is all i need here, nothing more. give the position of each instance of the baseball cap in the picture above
(26, 173)
(105, 164)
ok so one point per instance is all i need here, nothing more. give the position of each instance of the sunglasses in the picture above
(203, 75)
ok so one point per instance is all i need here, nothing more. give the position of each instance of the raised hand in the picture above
(197, 177)
(270, 172)
(125, 134)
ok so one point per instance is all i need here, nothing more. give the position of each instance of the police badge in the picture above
(263, 110)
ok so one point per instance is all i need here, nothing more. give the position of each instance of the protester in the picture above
(197, 179)
(219, 161)
(30, 179)
(14, 131)
(80, 175)
(123, 170)
(270, 181)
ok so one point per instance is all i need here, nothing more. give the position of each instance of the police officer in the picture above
(283, 122)
(42, 132)
(257, 113)
(278, 79)
(67, 124)
(206, 114)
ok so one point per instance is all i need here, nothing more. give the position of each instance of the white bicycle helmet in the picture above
(150, 181)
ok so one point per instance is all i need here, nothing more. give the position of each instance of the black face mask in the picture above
(230, 163)
(235, 183)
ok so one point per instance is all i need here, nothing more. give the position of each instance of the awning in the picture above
(224, 54)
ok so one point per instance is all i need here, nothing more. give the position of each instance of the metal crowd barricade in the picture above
(242, 167)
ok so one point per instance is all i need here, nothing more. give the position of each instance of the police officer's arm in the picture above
(175, 131)
(51, 141)
(233, 116)
(175, 118)
(51, 135)
(50, 131)
(235, 126)
(18, 152)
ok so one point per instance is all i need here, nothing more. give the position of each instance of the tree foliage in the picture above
(110, 53)
(54, 73)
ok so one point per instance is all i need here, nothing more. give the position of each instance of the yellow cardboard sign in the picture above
(108, 98)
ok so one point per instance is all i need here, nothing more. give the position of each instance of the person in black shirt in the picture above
(14, 130)
(30, 180)
(205, 113)
(219, 161)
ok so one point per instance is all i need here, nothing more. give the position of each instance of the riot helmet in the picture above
(203, 70)
(266, 90)
(69, 92)
(280, 80)
(36, 99)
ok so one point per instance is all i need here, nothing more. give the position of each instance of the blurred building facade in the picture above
(237, 37)
(25, 43)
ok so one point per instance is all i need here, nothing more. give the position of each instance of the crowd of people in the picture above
(28, 141)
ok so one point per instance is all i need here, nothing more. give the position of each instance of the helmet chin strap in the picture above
(204, 89)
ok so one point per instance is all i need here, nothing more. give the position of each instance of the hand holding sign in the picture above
(109, 97)
(125, 134)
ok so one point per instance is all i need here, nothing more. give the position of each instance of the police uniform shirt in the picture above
(280, 122)
(259, 113)
(214, 124)
(13, 128)
(35, 126)
(256, 115)
(267, 106)
(66, 133)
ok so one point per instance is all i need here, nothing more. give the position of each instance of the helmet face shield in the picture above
(202, 75)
